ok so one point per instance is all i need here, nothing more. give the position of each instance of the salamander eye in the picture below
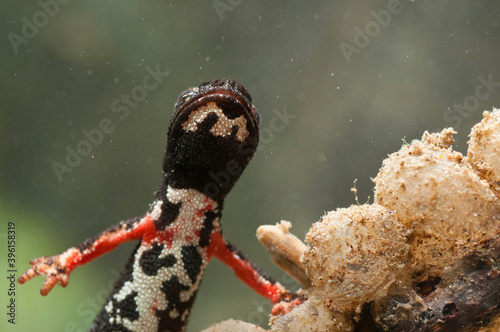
(185, 96)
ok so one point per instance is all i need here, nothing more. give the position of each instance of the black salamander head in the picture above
(212, 136)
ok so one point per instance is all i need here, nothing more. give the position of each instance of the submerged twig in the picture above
(285, 249)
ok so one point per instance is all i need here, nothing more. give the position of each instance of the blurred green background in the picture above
(419, 70)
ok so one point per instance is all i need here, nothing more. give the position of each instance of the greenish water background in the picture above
(349, 113)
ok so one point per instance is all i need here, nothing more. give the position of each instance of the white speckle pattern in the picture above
(156, 212)
(109, 307)
(127, 289)
(67, 254)
(173, 313)
(223, 126)
(181, 232)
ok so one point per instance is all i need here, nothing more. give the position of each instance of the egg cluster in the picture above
(439, 197)
(367, 251)
(433, 207)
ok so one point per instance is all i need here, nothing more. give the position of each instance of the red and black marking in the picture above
(208, 226)
(169, 214)
(212, 136)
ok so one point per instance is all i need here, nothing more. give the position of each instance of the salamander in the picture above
(212, 136)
